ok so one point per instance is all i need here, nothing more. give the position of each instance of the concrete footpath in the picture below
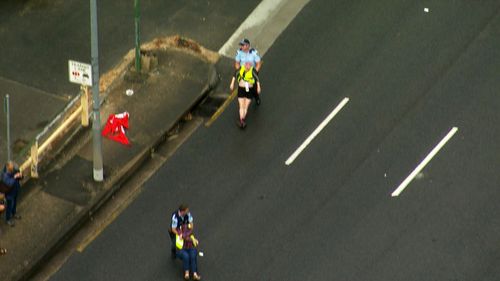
(54, 206)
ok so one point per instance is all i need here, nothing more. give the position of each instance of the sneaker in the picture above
(243, 124)
(196, 276)
(11, 223)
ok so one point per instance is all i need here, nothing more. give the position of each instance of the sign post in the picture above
(96, 123)
(81, 73)
(84, 101)
(7, 113)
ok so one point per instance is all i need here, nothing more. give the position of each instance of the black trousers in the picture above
(172, 239)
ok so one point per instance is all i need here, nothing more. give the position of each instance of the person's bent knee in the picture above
(183, 255)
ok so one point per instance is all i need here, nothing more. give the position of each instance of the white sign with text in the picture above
(80, 73)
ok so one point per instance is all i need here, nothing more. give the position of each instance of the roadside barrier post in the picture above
(34, 160)
(85, 105)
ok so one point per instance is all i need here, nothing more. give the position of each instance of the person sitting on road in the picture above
(186, 245)
(179, 217)
(247, 78)
(248, 54)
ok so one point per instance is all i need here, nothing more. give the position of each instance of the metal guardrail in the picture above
(42, 144)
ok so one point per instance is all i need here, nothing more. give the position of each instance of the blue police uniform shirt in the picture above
(177, 220)
(252, 56)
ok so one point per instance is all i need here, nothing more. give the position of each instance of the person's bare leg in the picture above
(246, 104)
(241, 102)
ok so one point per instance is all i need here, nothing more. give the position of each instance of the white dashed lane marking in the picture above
(424, 162)
(264, 25)
(316, 132)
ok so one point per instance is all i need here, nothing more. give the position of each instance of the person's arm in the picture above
(258, 61)
(174, 231)
(257, 80)
(190, 222)
(18, 175)
(237, 60)
(173, 225)
(231, 86)
(236, 73)
(195, 241)
(2, 202)
(258, 64)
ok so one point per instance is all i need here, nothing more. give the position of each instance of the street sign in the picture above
(80, 73)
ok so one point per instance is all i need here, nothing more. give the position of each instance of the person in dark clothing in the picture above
(3, 251)
(11, 177)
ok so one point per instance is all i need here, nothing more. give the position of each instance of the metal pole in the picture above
(7, 112)
(96, 124)
(137, 37)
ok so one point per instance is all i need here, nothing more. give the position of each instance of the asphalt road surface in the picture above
(40, 36)
(410, 76)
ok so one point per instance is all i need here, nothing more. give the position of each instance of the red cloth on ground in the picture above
(115, 128)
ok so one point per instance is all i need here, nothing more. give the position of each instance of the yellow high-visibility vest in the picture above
(179, 242)
(246, 75)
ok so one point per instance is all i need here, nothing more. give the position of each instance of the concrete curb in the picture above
(111, 186)
(110, 79)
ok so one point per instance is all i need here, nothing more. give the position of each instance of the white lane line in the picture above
(426, 160)
(316, 132)
(264, 25)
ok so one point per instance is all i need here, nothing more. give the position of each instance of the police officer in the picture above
(248, 54)
(180, 217)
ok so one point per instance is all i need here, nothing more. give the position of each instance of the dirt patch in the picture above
(185, 43)
(162, 43)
